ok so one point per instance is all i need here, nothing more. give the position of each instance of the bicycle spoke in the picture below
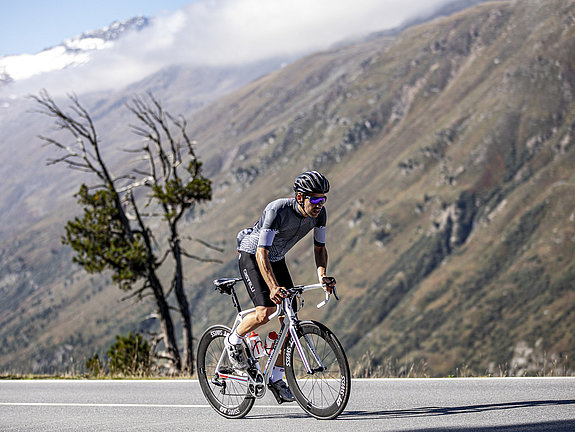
(324, 392)
(228, 395)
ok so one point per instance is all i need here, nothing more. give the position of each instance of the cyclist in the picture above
(262, 265)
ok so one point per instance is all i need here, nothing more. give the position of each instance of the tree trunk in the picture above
(187, 335)
(166, 323)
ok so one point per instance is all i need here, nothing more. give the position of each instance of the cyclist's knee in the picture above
(263, 314)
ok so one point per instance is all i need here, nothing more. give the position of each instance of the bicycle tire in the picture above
(233, 399)
(323, 394)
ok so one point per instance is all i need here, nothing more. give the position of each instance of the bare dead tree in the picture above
(114, 232)
(176, 183)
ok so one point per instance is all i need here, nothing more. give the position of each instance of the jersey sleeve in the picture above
(319, 229)
(269, 227)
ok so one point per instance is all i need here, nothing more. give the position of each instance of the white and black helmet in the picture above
(311, 182)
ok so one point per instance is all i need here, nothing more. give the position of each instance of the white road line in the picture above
(104, 405)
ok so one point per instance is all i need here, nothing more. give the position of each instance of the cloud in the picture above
(228, 32)
(239, 31)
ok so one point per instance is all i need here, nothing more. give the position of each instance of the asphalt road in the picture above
(485, 405)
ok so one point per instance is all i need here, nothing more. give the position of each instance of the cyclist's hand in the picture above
(328, 283)
(277, 294)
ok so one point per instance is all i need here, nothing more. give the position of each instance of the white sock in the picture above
(235, 338)
(277, 373)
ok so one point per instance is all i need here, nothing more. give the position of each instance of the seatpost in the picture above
(235, 300)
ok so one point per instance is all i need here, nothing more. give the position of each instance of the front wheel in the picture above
(325, 391)
(226, 392)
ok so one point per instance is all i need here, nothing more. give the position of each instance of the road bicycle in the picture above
(316, 366)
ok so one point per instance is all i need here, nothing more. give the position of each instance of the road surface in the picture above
(475, 404)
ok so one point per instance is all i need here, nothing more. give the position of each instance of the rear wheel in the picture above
(324, 393)
(225, 390)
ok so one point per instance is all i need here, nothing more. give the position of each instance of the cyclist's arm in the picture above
(268, 274)
(321, 264)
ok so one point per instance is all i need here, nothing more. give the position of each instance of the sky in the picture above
(199, 32)
(29, 26)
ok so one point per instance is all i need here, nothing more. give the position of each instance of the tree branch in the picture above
(197, 258)
(205, 243)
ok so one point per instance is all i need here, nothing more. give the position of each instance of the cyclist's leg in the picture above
(259, 293)
(278, 386)
(282, 274)
(254, 320)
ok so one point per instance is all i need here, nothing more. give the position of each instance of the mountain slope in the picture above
(451, 218)
(450, 152)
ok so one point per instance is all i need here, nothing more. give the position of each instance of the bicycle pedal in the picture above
(279, 400)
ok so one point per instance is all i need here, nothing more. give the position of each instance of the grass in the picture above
(366, 367)
(369, 367)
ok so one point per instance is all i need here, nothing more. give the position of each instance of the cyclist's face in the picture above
(312, 209)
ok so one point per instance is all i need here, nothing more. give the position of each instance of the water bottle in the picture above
(270, 340)
(256, 345)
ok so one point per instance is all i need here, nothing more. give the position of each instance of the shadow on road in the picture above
(556, 426)
(441, 411)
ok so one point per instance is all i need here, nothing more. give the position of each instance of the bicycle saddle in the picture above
(225, 285)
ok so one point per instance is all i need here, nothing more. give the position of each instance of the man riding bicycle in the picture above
(262, 263)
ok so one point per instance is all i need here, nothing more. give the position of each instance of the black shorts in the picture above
(256, 285)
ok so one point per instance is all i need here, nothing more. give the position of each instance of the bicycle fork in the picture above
(301, 352)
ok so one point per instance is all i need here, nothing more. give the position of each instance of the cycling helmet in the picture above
(311, 182)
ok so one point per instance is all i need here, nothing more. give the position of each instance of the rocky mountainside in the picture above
(451, 218)
(450, 149)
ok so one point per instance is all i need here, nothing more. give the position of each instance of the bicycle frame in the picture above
(289, 325)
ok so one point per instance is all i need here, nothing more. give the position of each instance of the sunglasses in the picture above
(317, 200)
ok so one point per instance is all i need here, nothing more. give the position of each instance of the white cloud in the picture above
(219, 32)
(237, 31)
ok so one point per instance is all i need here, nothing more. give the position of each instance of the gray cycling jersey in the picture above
(280, 227)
